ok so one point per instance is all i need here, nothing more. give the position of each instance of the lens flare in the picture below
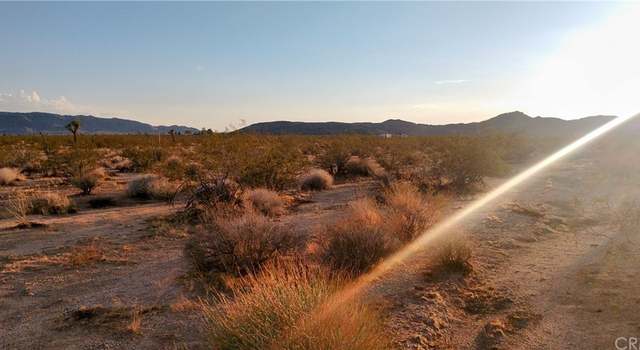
(445, 226)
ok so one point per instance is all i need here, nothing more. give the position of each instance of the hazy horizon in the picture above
(214, 64)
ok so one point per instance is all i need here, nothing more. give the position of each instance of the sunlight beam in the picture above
(439, 229)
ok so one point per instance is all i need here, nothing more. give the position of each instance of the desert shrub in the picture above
(102, 202)
(454, 256)
(119, 163)
(239, 245)
(211, 192)
(265, 201)
(143, 158)
(276, 168)
(462, 163)
(173, 168)
(151, 187)
(316, 180)
(278, 308)
(335, 157)
(8, 176)
(409, 213)
(359, 241)
(86, 182)
(50, 203)
(357, 166)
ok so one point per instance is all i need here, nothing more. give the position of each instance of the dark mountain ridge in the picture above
(513, 122)
(14, 123)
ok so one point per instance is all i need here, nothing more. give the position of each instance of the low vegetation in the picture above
(9, 176)
(240, 245)
(316, 180)
(151, 187)
(454, 256)
(281, 307)
(359, 241)
(50, 203)
(264, 201)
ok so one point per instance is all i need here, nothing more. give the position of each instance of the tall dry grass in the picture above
(359, 241)
(281, 308)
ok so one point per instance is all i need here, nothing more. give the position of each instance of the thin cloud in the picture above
(453, 81)
(32, 101)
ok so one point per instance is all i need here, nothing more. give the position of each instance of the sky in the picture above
(218, 65)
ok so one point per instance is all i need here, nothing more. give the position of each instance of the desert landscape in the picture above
(319, 175)
(202, 241)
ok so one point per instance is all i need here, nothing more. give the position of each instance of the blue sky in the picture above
(213, 64)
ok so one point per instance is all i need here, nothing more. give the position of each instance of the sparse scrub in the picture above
(357, 166)
(265, 201)
(173, 168)
(281, 307)
(86, 183)
(240, 245)
(454, 256)
(410, 213)
(316, 180)
(151, 187)
(51, 203)
(359, 241)
(211, 193)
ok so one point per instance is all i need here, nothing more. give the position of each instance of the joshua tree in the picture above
(73, 127)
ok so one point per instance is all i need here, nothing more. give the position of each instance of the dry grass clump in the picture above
(265, 201)
(239, 245)
(18, 206)
(281, 308)
(316, 180)
(409, 213)
(454, 256)
(151, 187)
(357, 166)
(47, 203)
(8, 176)
(119, 163)
(359, 241)
(85, 255)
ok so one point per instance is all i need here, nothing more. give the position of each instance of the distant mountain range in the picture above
(12, 123)
(513, 122)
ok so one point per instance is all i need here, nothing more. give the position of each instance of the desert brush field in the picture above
(242, 241)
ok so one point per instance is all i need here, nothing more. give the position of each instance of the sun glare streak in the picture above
(445, 226)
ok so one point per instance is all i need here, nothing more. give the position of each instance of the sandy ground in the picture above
(554, 268)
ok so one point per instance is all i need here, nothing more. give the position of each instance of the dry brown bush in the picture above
(151, 187)
(265, 201)
(316, 180)
(281, 307)
(359, 241)
(239, 245)
(454, 256)
(363, 167)
(8, 176)
(409, 212)
(47, 203)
